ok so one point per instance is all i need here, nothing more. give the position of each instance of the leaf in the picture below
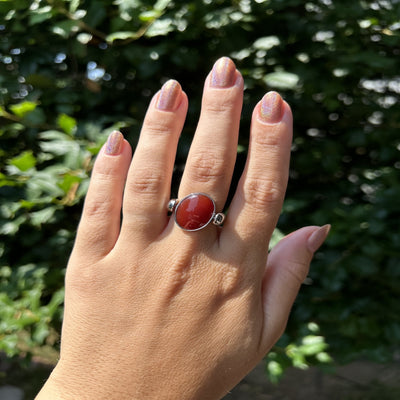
(8, 344)
(8, 210)
(27, 204)
(36, 117)
(84, 38)
(55, 302)
(43, 216)
(54, 135)
(160, 27)
(123, 35)
(9, 5)
(40, 15)
(67, 124)
(79, 14)
(6, 181)
(73, 5)
(59, 147)
(22, 109)
(277, 235)
(40, 332)
(312, 345)
(161, 5)
(324, 358)
(274, 370)
(42, 184)
(266, 43)
(68, 181)
(64, 28)
(5, 272)
(148, 16)
(12, 227)
(281, 80)
(27, 317)
(24, 161)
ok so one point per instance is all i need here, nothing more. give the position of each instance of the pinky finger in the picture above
(287, 267)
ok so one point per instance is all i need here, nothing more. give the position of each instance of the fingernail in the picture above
(169, 98)
(271, 108)
(223, 73)
(318, 237)
(114, 143)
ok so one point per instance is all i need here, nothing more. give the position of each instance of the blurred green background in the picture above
(72, 71)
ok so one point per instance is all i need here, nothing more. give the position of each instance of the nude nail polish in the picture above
(114, 143)
(223, 74)
(271, 108)
(317, 238)
(170, 96)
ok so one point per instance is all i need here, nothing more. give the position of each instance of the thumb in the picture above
(287, 267)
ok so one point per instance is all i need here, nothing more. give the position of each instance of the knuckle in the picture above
(158, 127)
(232, 280)
(262, 193)
(147, 182)
(100, 203)
(97, 208)
(205, 166)
(155, 125)
(268, 140)
(221, 103)
(217, 107)
(230, 277)
(297, 271)
(103, 172)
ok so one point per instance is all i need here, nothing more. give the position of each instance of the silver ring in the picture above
(195, 211)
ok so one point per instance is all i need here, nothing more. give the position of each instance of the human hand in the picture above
(153, 311)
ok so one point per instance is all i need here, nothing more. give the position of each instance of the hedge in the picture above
(73, 70)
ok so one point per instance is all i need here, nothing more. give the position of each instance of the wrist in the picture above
(61, 386)
(53, 389)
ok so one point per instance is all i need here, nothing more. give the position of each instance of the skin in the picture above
(154, 312)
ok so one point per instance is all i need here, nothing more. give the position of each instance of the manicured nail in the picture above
(271, 108)
(223, 74)
(318, 237)
(170, 96)
(114, 143)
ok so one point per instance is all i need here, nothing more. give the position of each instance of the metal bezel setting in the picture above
(216, 218)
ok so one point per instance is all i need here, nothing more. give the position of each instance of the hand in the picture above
(153, 311)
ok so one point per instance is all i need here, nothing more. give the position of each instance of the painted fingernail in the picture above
(271, 108)
(318, 237)
(114, 143)
(170, 96)
(223, 74)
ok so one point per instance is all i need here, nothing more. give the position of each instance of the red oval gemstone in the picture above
(194, 212)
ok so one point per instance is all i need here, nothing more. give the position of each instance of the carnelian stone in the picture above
(194, 212)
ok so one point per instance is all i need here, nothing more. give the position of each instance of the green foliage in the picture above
(308, 349)
(21, 308)
(71, 71)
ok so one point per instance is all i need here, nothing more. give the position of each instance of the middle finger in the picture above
(212, 154)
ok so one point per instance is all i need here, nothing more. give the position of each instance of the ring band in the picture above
(195, 212)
